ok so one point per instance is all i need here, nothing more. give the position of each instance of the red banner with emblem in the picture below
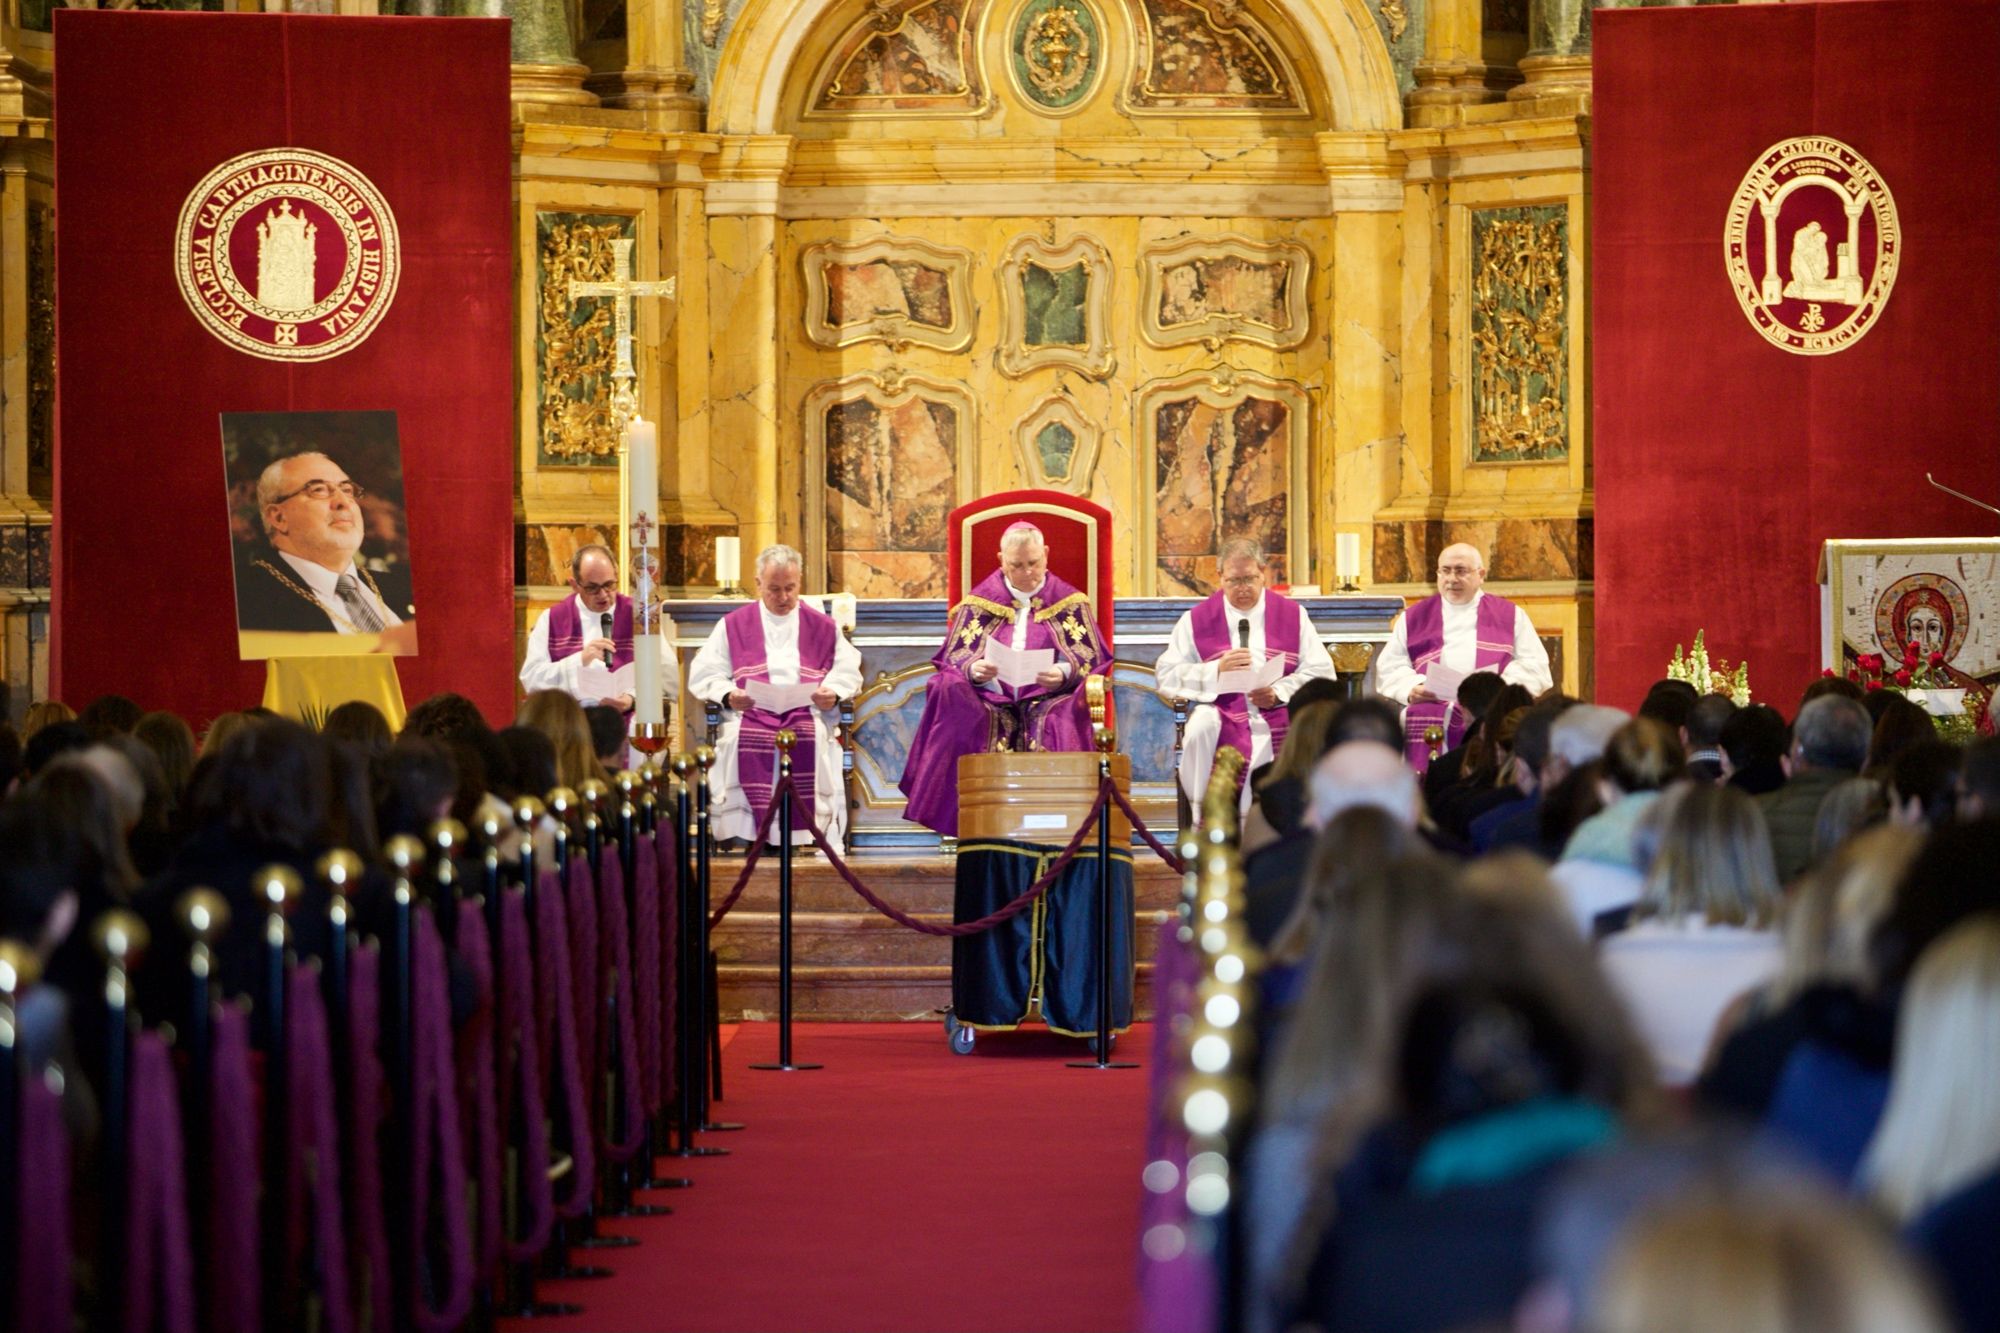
(1795, 312)
(278, 214)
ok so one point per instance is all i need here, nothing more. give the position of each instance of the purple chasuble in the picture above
(757, 734)
(1423, 632)
(962, 718)
(1214, 625)
(567, 634)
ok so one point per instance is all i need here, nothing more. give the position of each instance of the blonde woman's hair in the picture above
(1714, 857)
(1831, 911)
(44, 713)
(1305, 742)
(1785, 1261)
(1941, 1129)
(220, 730)
(560, 718)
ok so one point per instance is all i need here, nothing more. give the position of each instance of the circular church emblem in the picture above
(287, 254)
(1812, 245)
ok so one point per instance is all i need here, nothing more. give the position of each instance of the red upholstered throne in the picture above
(1078, 533)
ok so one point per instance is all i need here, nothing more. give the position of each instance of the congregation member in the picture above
(1754, 740)
(590, 628)
(1602, 869)
(1515, 821)
(1460, 628)
(1240, 627)
(968, 710)
(775, 641)
(306, 579)
(1829, 745)
(1701, 736)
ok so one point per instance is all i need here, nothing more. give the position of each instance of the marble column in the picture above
(1453, 71)
(1558, 59)
(690, 516)
(27, 408)
(546, 70)
(656, 78)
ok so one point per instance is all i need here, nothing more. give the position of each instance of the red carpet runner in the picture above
(900, 1188)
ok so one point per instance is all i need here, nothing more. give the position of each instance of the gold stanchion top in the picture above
(1106, 738)
(786, 739)
(203, 914)
(704, 757)
(19, 968)
(405, 853)
(528, 812)
(278, 888)
(492, 824)
(447, 836)
(120, 937)
(627, 782)
(593, 791)
(683, 765)
(561, 801)
(340, 871)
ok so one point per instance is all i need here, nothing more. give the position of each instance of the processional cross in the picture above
(624, 400)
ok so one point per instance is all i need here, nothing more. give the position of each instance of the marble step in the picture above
(829, 940)
(862, 995)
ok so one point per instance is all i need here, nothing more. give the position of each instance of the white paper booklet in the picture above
(1443, 681)
(779, 698)
(1270, 672)
(594, 682)
(1019, 667)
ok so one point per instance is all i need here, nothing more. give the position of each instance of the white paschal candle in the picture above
(1347, 556)
(642, 454)
(728, 561)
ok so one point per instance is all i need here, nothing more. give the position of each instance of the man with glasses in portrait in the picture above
(592, 627)
(1240, 627)
(306, 579)
(1447, 636)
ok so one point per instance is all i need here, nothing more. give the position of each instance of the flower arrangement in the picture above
(1710, 677)
(1925, 677)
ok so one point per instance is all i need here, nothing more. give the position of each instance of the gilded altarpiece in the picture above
(886, 455)
(1519, 329)
(574, 346)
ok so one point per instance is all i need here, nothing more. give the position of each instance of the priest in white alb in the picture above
(754, 657)
(1242, 627)
(1447, 636)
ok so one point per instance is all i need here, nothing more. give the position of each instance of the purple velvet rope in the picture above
(367, 1237)
(159, 1263)
(314, 1159)
(665, 844)
(521, 1079)
(617, 962)
(756, 851)
(478, 1102)
(1160, 849)
(438, 1166)
(586, 999)
(646, 997)
(231, 1257)
(558, 1035)
(42, 1300)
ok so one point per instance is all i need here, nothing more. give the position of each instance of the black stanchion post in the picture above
(406, 861)
(711, 993)
(1105, 786)
(277, 888)
(121, 938)
(340, 871)
(203, 915)
(659, 1134)
(782, 794)
(19, 969)
(689, 1023)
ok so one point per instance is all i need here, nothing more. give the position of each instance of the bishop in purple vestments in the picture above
(968, 711)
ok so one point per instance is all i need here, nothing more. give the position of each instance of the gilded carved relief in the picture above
(41, 339)
(1054, 300)
(905, 57)
(893, 290)
(1217, 290)
(1055, 53)
(574, 346)
(1520, 334)
(1209, 55)
(887, 455)
(1228, 451)
(1057, 446)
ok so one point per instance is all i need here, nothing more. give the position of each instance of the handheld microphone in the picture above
(605, 620)
(1243, 632)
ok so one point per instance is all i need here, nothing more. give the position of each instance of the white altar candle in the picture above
(642, 454)
(728, 561)
(1347, 556)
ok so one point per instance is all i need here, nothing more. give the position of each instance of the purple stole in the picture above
(1214, 625)
(757, 734)
(1423, 631)
(566, 633)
